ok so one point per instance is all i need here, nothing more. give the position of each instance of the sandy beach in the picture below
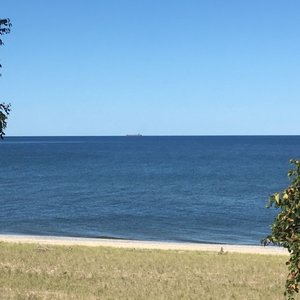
(94, 242)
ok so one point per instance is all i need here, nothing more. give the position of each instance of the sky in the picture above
(169, 67)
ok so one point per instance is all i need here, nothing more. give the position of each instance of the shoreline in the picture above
(138, 244)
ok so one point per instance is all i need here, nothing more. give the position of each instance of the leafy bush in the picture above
(286, 227)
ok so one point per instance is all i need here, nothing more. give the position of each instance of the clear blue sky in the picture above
(170, 67)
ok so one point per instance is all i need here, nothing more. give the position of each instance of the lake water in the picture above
(196, 189)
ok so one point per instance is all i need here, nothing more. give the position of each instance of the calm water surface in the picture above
(199, 189)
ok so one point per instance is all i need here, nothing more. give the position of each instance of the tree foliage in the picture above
(5, 25)
(4, 112)
(286, 227)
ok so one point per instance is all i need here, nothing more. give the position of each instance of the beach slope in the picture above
(118, 243)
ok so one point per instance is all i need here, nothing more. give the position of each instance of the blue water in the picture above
(198, 189)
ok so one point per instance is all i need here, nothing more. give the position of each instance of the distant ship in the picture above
(134, 134)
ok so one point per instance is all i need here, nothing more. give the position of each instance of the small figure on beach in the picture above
(221, 252)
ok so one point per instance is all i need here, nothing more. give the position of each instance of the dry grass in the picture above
(30, 271)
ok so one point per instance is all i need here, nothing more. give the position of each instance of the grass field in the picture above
(29, 271)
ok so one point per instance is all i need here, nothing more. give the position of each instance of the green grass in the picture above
(29, 271)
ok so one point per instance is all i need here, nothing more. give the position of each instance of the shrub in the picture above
(286, 227)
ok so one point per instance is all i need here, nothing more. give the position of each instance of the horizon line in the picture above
(159, 135)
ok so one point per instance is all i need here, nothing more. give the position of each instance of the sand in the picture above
(55, 240)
